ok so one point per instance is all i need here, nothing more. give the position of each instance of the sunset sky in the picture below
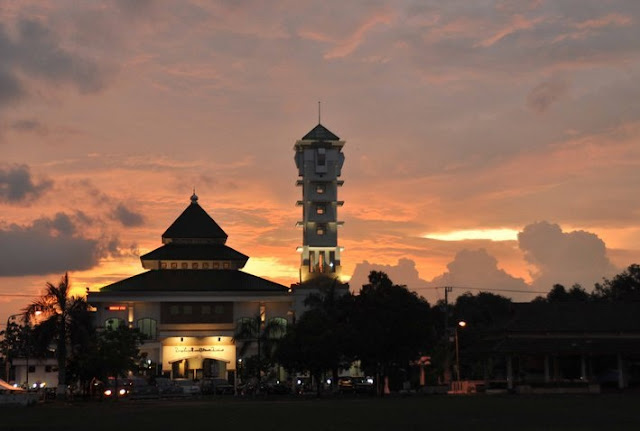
(489, 144)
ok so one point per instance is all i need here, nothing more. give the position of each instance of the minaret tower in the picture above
(319, 161)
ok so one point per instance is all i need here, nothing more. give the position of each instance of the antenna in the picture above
(319, 111)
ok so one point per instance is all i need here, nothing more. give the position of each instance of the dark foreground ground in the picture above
(480, 412)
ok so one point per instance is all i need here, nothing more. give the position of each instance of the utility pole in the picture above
(447, 341)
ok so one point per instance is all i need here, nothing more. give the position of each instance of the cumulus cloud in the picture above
(564, 257)
(405, 272)
(48, 245)
(127, 217)
(478, 269)
(17, 184)
(543, 95)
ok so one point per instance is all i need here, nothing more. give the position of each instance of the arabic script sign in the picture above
(198, 349)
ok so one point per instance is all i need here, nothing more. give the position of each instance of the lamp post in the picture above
(461, 324)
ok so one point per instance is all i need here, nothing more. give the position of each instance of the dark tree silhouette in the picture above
(62, 314)
(393, 325)
(623, 287)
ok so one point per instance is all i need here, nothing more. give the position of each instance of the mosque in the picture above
(194, 294)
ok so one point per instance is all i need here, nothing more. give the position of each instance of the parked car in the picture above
(345, 385)
(364, 385)
(141, 389)
(189, 387)
(112, 388)
(216, 387)
(168, 388)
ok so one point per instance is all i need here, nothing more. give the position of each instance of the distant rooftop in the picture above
(194, 222)
(320, 133)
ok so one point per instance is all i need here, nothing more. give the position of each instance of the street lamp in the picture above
(461, 324)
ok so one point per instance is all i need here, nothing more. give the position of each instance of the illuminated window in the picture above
(320, 209)
(174, 265)
(205, 265)
(185, 265)
(263, 313)
(320, 189)
(216, 265)
(113, 323)
(225, 265)
(148, 327)
(278, 327)
(163, 265)
(194, 265)
(320, 230)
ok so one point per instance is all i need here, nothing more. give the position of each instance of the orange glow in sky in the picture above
(489, 145)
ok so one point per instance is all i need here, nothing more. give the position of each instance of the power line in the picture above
(18, 295)
(481, 290)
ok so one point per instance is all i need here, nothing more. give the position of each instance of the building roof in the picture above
(566, 327)
(189, 280)
(574, 317)
(173, 251)
(320, 133)
(194, 222)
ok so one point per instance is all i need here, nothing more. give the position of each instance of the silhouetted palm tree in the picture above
(58, 311)
(264, 334)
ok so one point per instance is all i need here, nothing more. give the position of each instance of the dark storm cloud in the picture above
(17, 184)
(564, 257)
(127, 217)
(29, 125)
(48, 245)
(35, 51)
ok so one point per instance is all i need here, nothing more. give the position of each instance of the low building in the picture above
(571, 344)
(191, 300)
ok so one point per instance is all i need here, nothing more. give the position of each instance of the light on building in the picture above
(108, 392)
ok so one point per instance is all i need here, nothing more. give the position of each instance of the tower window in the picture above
(174, 265)
(320, 189)
(194, 265)
(321, 159)
(185, 265)
(320, 209)
(205, 265)
(320, 230)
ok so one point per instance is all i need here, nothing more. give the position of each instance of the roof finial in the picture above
(194, 197)
(319, 111)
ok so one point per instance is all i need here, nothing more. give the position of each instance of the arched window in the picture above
(113, 323)
(278, 327)
(148, 327)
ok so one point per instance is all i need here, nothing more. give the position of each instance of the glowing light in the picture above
(123, 391)
(108, 392)
(462, 323)
(490, 234)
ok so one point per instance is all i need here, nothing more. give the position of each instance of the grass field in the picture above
(566, 412)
